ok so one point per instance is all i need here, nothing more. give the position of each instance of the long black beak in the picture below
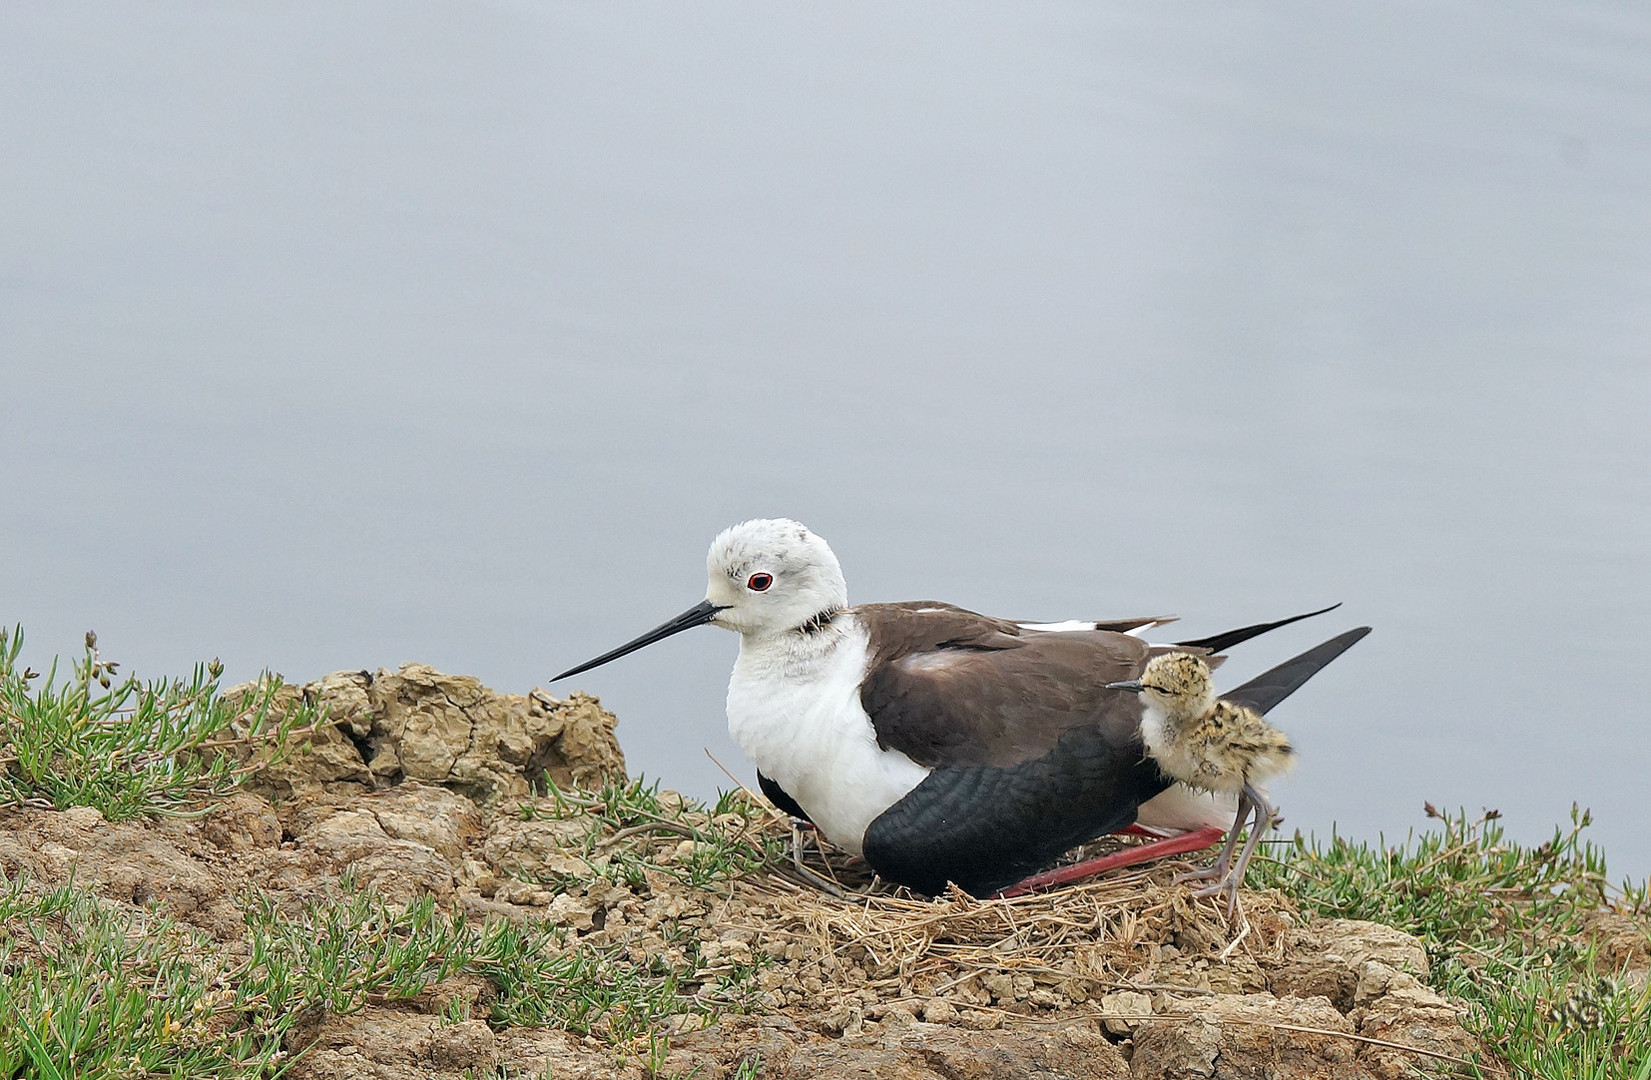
(1132, 685)
(698, 615)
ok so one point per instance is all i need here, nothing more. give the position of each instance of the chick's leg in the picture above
(1264, 814)
(1262, 822)
(1218, 869)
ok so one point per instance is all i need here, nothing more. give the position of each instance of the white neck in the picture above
(794, 708)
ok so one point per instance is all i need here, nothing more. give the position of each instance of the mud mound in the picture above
(418, 723)
(424, 787)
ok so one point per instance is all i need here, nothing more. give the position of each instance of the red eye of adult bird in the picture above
(759, 582)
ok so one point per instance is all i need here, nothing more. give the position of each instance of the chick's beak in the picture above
(1132, 685)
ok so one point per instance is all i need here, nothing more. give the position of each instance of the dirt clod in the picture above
(417, 723)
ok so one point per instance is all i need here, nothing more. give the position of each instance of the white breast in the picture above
(1179, 807)
(1174, 756)
(794, 708)
(1154, 729)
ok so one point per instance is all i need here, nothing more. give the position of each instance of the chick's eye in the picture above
(759, 582)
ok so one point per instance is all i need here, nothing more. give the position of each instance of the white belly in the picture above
(794, 708)
(1179, 807)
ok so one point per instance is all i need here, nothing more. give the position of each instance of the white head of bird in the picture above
(766, 577)
(772, 575)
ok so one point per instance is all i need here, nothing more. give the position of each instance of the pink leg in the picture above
(1219, 868)
(1232, 878)
(1197, 840)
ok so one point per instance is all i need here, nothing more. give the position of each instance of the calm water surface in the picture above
(337, 335)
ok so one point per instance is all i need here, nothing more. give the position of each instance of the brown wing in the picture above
(948, 687)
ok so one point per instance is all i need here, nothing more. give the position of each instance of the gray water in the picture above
(338, 335)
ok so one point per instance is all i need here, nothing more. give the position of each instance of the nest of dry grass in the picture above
(1130, 930)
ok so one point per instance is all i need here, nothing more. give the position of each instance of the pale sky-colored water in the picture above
(337, 335)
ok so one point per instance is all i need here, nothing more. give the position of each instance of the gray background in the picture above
(341, 335)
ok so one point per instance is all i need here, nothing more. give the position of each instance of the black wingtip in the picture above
(1275, 684)
(1222, 642)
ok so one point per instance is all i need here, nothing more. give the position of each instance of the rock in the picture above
(1005, 988)
(322, 759)
(1121, 1011)
(1623, 940)
(377, 1043)
(429, 716)
(574, 912)
(475, 993)
(1326, 959)
(921, 1051)
(1376, 979)
(939, 1011)
(522, 892)
(344, 696)
(242, 822)
(381, 1043)
(353, 838)
(450, 729)
(1411, 1014)
(418, 723)
(442, 820)
(1236, 1036)
(345, 835)
(403, 872)
(764, 1043)
(467, 1045)
(82, 817)
(583, 750)
(536, 849)
(125, 862)
(479, 876)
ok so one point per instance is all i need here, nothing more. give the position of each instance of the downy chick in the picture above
(1213, 745)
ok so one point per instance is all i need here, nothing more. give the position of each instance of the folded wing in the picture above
(1029, 754)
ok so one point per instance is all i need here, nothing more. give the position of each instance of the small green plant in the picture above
(342, 952)
(91, 989)
(86, 990)
(581, 989)
(1561, 1021)
(713, 843)
(127, 747)
(339, 953)
(457, 1010)
(1506, 930)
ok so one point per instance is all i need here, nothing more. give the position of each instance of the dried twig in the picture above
(672, 827)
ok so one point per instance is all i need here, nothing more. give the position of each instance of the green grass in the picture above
(90, 989)
(1505, 927)
(344, 951)
(126, 747)
(624, 817)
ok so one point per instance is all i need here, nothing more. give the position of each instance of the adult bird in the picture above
(941, 744)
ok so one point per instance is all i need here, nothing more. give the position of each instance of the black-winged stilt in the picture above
(941, 744)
